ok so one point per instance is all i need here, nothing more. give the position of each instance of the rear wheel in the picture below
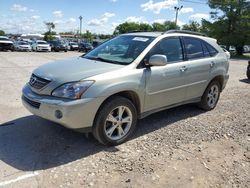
(248, 71)
(211, 96)
(115, 121)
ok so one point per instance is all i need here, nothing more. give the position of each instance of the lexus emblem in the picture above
(32, 80)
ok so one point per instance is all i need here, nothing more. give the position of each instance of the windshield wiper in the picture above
(103, 60)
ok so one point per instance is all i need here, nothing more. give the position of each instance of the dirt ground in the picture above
(180, 147)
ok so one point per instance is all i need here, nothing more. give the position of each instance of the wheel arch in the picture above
(129, 94)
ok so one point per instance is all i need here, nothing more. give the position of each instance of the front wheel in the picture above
(115, 121)
(211, 96)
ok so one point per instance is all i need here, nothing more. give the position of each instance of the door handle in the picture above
(183, 69)
(212, 64)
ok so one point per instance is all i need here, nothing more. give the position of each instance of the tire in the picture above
(112, 131)
(248, 71)
(211, 96)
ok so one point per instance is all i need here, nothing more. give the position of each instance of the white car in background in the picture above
(22, 46)
(41, 46)
(227, 53)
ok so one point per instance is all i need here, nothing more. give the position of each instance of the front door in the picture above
(166, 85)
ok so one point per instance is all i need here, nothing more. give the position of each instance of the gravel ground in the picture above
(180, 147)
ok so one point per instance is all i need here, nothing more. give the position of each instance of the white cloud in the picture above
(57, 13)
(71, 20)
(94, 22)
(103, 20)
(186, 10)
(161, 21)
(199, 16)
(135, 19)
(35, 17)
(19, 8)
(158, 6)
(108, 14)
(114, 1)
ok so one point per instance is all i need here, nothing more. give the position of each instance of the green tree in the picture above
(49, 35)
(88, 35)
(232, 22)
(132, 26)
(192, 26)
(2, 33)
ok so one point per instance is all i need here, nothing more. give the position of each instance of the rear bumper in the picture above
(74, 114)
(226, 77)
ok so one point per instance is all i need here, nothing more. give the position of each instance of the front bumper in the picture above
(76, 114)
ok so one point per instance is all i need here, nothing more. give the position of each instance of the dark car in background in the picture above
(85, 47)
(6, 44)
(57, 45)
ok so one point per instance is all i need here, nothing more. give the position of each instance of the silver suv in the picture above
(127, 78)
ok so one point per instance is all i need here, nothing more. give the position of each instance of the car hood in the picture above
(24, 45)
(74, 69)
(43, 45)
(70, 70)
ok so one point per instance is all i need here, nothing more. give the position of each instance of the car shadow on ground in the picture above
(31, 143)
(245, 80)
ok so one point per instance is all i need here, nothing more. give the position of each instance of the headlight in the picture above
(73, 90)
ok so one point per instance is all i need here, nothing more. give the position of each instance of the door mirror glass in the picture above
(158, 60)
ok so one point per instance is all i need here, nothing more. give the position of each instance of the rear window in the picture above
(193, 48)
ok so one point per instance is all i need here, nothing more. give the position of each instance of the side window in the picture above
(212, 50)
(171, 47)
(205, 50)
(193, 48)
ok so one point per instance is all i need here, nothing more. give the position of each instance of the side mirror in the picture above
(158, 60)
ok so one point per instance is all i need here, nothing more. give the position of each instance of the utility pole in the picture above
(80, 18)
(177, 9)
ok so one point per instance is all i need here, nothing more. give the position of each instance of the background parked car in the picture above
(41, 46)
(96, 43)
(85, 47)
(57, 45)
(227, 52)
(6, 44)
(22, 46)
(73, 46)
(248, 70)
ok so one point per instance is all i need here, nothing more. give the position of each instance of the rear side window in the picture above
(212, 50)
(194, 48)
(205, 50)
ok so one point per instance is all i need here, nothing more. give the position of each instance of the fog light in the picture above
(58, 114)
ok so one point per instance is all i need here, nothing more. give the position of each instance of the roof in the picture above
(181, 33)
(145, 34)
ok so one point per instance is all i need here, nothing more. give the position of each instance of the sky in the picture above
(99, 16)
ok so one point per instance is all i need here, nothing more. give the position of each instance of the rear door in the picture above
(200, 64)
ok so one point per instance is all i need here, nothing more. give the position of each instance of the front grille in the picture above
(38, 82)
(31, 103)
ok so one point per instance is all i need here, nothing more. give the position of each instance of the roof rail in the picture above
(185, 32)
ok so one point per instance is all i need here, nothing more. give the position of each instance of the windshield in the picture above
(42, 43)
(23, 43)
(2, 38)
(120, 50)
